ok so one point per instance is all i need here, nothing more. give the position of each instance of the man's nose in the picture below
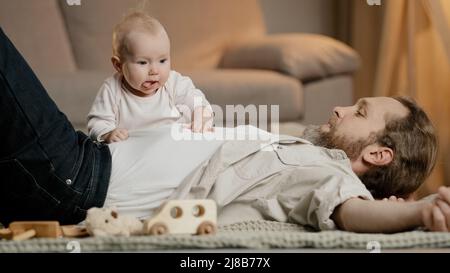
(338, 111)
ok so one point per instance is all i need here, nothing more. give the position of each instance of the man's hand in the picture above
(394, 198)
(115, 135)
(202, 120)
(436, 215)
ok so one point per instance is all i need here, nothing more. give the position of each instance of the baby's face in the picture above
(147, 67)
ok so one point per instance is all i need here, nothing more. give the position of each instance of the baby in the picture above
(144, 92)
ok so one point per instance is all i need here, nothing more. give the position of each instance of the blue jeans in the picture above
(48, 171)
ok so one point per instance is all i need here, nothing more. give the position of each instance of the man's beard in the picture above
(331, 140)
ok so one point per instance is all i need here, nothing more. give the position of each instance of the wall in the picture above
(313, 16)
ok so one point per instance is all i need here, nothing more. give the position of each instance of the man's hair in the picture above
(414, 143)
(133, 21)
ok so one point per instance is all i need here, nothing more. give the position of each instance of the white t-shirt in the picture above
(152, 163)
(149, 166)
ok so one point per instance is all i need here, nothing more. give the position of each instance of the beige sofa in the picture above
(222, 45)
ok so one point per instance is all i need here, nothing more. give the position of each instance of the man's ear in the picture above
(378, 155)
(116, 63)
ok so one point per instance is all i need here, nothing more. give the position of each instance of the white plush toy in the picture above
(106, 222)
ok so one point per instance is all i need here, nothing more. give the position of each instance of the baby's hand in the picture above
(116, 135)
(202, 120)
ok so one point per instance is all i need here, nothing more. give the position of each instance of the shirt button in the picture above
(69, 182)
(280, 147)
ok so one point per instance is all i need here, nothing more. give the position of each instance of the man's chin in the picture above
(313, 133)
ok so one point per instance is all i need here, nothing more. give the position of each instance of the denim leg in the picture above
(29, 116)
(47, 170)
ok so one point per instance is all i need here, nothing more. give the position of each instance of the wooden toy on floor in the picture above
(23, 230)
(74, 231)
(47, 229)
(198, 216)
(6, 233)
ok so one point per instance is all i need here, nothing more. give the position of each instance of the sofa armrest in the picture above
(304, 56)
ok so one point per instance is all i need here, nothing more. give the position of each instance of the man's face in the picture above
(147, 67)
(354, 127)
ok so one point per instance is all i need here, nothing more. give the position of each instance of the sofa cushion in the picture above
(251, 87)
(74, 93)
(304, 56)
(37, 30)
(199, 30)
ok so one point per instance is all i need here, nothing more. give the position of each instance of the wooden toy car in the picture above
(23, 230)
(184, 216)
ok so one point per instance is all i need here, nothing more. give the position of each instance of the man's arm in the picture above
(360, 215)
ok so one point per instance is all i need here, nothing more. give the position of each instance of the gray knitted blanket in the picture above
(262, 235)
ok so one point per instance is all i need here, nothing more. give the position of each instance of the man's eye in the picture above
(163, 61)
(142, 62)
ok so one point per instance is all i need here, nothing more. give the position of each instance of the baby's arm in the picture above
(188, 96)
(360, 215)
(202, 119)
(102, 116)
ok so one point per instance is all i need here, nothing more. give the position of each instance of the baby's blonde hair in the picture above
(137, 21)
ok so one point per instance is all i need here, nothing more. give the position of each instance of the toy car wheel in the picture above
(206, 228)
(158, 229)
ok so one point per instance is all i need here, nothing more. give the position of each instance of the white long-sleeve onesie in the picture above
(115, 107)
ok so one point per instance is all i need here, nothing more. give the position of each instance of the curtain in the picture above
(405, 50)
